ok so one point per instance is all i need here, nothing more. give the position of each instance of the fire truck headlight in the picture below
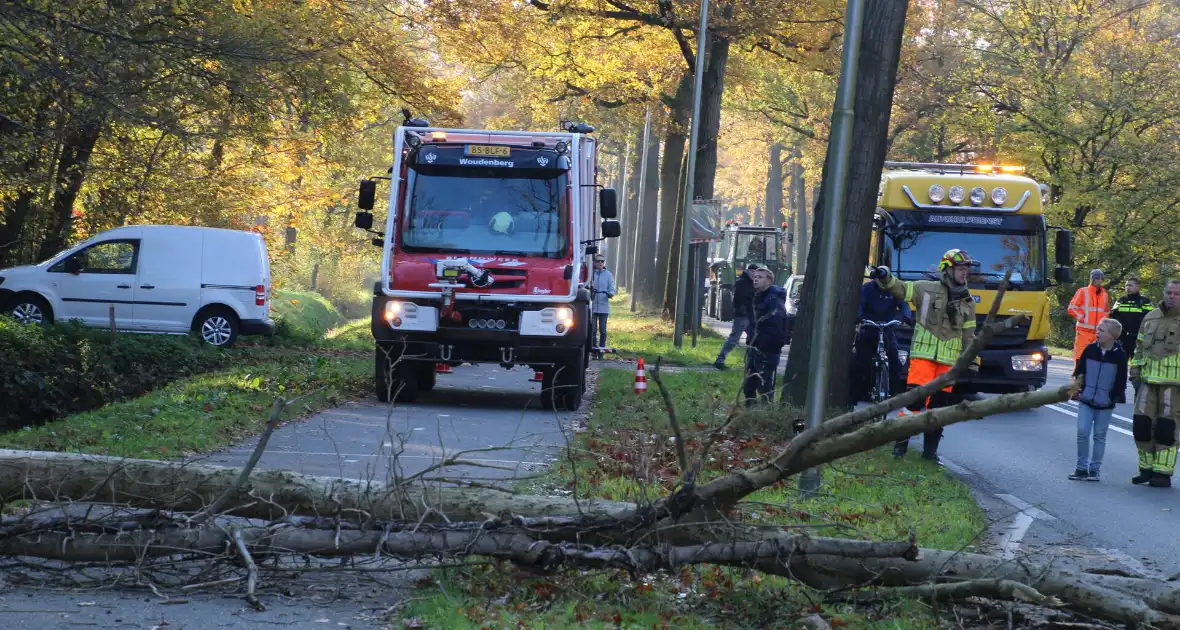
(1034, 362)
(937, 193)
(956, 194)
(562, 147)
(392, 309)
(978, 194)
(999, 196)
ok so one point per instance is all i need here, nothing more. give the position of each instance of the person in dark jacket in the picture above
(768, 335)
(1130, 310)
(882, 307)
(1103, 369)
(743, 306)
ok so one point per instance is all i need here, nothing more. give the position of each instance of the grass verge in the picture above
(647, 335)
(304, 316)
(206, 411)
(626, 455)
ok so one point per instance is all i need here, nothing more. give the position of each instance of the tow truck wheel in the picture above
(398, 380)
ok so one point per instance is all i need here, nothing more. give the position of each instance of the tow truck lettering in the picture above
(964, 219)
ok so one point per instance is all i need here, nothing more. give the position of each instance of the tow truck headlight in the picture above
(978, 194)
(1034, 362)
(956, 194)
(999, 196)
(937, 193)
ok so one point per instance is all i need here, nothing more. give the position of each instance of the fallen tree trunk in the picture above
(1129, 600)
(266, 494)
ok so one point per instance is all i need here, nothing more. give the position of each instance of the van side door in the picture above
(92, 280)
(168, 290)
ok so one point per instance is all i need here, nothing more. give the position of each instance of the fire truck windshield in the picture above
(918, 253)
(484, 211)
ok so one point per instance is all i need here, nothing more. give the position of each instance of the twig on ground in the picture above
(251, 570)
(685, 473)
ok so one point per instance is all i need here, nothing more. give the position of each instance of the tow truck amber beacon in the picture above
(486, 255)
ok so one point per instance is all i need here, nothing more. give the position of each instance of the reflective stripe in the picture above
(1165, 371)
(1165, 461)
(926, 346)
(1091, 315)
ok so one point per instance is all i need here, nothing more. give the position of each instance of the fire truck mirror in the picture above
(364, 220)
(611, 229)
(1064, 247)
(608, 204)
(368, 193)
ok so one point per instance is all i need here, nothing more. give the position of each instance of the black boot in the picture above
(930, 448)
(1160, 480)
(900, 447)
(1144, 476)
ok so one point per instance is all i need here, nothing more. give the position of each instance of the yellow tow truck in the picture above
(995, 213)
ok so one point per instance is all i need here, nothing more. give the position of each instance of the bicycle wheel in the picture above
(881, 384)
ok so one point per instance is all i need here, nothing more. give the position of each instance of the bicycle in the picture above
(880, 376)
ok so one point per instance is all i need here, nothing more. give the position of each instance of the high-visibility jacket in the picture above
(942, 327)
(1158, 352)
(1089, 306)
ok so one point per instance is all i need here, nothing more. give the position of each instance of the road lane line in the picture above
(1133, 564)
(1010, 540)
(1123, 418)
(1074, 414)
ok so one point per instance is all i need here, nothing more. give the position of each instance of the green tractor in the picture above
(741, 245)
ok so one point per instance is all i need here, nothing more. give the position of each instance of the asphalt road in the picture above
(1025, 458)
(1019, 463)
(475, 407)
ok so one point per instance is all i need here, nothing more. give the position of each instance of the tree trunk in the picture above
(709, 127)
(71, 172)
(774, 186)
(876, 68)
(631, 224)
(676, 233)
(646, 250)
(675, 136)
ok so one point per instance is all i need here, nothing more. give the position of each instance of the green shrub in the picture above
(52, 371)
(304, 316)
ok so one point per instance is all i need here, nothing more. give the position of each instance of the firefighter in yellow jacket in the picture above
(1155, 370)
(944, 315)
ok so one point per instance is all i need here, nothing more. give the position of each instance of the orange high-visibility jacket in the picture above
(1089, 306)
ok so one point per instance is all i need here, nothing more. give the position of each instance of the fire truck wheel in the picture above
(398, 381)
(426, 377)
(562, 386)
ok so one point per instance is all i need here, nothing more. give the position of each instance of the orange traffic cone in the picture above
(442, 368)
(640, 378)
(538, 376)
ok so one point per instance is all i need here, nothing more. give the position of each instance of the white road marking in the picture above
(1010, 540)
(1133, 564)
(1074, 414)
(1123, 418)
(955, 468)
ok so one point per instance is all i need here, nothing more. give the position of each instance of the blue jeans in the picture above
(740, 324)
(1096, 422)
(600, 328)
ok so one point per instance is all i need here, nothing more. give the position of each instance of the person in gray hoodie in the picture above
(602, 289)
(1103, 370)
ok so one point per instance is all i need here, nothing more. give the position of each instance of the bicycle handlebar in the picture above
(891, 324)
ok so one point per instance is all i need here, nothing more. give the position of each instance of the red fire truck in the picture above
(486, 255)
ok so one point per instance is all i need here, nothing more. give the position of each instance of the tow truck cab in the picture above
(996, 213)
(486, 255)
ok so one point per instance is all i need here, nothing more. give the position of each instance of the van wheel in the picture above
(218, 327)
(31, 309)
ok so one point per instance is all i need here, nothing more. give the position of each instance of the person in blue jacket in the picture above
(877, 305)
(767, 336)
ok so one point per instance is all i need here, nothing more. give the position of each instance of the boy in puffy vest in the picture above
(1103, 369)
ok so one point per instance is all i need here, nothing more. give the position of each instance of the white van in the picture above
(159, 279)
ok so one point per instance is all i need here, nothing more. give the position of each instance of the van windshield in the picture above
(505, 211)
